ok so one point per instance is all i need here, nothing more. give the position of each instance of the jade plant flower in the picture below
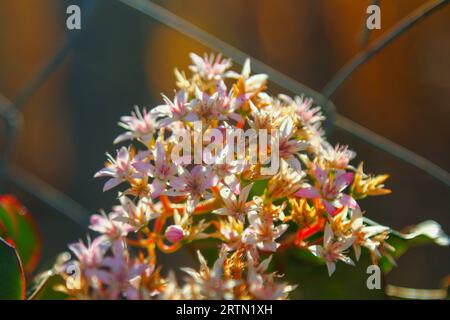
(307, 202)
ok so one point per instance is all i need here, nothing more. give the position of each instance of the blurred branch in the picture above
(28, 182)
(12, 119)
(44, 72)
(171, 20)
(392, 148)
(10, 112)
(49, 195)
(363, 56)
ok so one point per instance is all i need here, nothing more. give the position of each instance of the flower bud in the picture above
(174, 233)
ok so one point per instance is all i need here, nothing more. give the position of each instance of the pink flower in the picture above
(252, 83)
(209, 67)
(209, 283)
(332, 251)
(136, 215)
(119, 169)
(122, 273)
(304, 110)
(262, 232)
(105, 224)
(227, 171)
(263, 285)
(140, 126)
(337, 157)
(363, 234)
(235, 206)
(91, 256)
(193, 184)
(289, 147)
(178, 110)
(329, 187)
(162, 171)
(174, 233)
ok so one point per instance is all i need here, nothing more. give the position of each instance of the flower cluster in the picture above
(310, 201)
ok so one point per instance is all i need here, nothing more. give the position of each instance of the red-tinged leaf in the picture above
(18, 227)
(12, 280)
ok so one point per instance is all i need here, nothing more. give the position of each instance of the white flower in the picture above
(363, 234)
(137, 216)
(252, 83)
(107, 225)
(332, 251)
(119, 169)
(289, 147)
(210, 67)
(234, 206)
(178, 110)
(140, 126)
(209, 283)
(262, 232)
(263, 286)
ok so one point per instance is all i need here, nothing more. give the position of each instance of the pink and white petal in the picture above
(345, 244)
(308, 192)
(343, 180)
(233, 183)
(348, 201)
(143, 167)
(268, 246)
(331, 266)
(124, 137)
(111, 183)
(162, 110)
(244, 193)
(347, 260)
(279, 230)
(374, 230)
(329, 207)
(357, 250)
(328, 235)
(105, 172)
(156, 188)
(316, 250)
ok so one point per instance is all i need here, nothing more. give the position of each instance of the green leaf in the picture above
(46, 287)
(310, 273)
(12, 280)
(258, 188)
(427, 232)
(18, 227)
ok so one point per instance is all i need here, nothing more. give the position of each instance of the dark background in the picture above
(124, 59)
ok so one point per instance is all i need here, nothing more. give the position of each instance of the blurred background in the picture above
(124, 58)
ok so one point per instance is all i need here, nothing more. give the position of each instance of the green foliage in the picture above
(427, 232)
(12, 280)
(46, 287)
(310, 273)
(18, 227)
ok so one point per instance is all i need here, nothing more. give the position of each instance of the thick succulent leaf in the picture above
(46, 287)
(12, 280)
(18, 227)
(258, 188)
(310, 273)
(427, 232)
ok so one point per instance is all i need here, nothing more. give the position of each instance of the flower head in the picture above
(119, 169)
(332, 251)
(328, 188)
(209, 67)
(140, 126)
